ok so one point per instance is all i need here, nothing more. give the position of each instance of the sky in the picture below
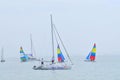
(81, 23)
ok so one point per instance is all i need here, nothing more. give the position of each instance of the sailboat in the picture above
(2, 59)
(60, 64)
(92, 54)
(27, 57)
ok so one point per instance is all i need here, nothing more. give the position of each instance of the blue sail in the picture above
(88, 57)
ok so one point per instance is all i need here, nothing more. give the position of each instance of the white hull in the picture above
(52, 67)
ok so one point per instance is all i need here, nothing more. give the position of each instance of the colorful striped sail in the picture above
(60, 55)
(23, 57)
(92, 54)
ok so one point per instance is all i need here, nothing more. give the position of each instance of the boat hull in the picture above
(2, 61)
(89, 61)
(51, 67)
(30, 59)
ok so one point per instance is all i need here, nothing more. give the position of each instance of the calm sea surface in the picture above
(105, 68)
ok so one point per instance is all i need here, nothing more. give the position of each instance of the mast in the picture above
(32, 47)
(31, 44)
(52, 38)
(2, 53)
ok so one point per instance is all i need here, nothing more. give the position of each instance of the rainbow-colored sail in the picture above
(23, 57)
(60, 55)
(91, 56)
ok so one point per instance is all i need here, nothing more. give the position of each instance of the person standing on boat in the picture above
(52, 60)
(42, 63)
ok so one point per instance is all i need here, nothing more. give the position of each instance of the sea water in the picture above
(105, 68)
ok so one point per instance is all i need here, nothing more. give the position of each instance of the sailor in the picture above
(42, 63)
(52, 60)
(34, 67)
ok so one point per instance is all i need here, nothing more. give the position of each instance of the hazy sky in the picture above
(79, 22)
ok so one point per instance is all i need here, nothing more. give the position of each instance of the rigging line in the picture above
(55, 37)
(63, 44)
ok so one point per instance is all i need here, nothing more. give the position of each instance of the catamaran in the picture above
(27, 57)
(2, 59)
(92, 54)
(61, 64)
